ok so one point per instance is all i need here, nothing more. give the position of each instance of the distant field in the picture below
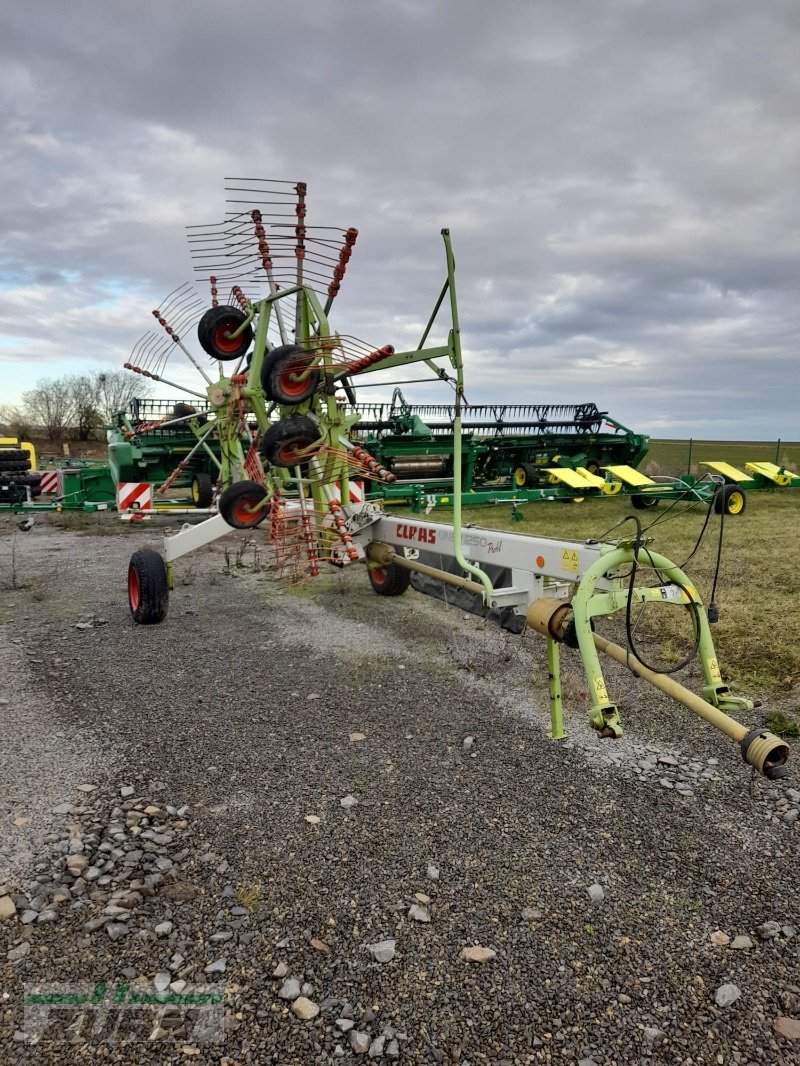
(672, 456)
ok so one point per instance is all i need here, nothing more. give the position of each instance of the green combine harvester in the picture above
(504, 445)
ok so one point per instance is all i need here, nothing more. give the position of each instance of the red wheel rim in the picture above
(290, 453)
(222, 342)
(134, 589)
(243, 510)
(288, 382)
(378, 576)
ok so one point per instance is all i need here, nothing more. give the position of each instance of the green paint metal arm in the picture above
(455, 346)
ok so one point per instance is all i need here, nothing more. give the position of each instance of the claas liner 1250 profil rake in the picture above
(284, 458)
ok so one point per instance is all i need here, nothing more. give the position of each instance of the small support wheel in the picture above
(202, 489)
(729, 499)
(389, 580)
(280, 375)
(643, 503)
(148, 593)
(239, 504)
(286, 443)
(214, 333)
(525, 475)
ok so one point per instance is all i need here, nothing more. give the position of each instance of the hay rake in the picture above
(283, 433)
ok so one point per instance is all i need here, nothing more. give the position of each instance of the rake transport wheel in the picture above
(729, 499)
(280, 375)
(286, 443)
(214, 329)
(239, 504)
(390, 580)
(148, 594)
(202, 490)
(642, 503)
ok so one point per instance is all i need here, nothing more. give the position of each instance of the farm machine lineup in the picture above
(279, 429)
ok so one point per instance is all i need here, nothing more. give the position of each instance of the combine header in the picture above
(503, 445)
(285, 458)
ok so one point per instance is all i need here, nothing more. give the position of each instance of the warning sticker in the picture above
(600, 691)
(712, 667)
(569, 560)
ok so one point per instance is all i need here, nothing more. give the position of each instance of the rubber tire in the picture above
(393, 580)
(297, 431)
(723, 497)
(148, 594)
(12, 455)
(529, 476)
(643, 503)
(236, 497)
(211, 331)
(277, 366)
(202, 489)
(7, 465)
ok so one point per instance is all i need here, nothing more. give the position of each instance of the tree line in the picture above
(74, 406)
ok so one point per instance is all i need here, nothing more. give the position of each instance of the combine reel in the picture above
(287, 463)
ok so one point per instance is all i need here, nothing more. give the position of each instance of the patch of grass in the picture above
(249, 896)
(782, 724)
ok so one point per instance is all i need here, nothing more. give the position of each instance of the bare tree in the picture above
(116, 389)
(15, 421)
(49, 405)
(84, 392)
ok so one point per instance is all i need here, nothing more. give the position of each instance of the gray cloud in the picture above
(618, 179)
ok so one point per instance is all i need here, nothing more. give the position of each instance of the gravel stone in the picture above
(769, 930)
(476, 953)
(419, 912)
(305, 1009)
(741, 943)
(726, 995)
(383, 951)
(217, 966)
(596, 893)
(290, 989)
(359, 1042)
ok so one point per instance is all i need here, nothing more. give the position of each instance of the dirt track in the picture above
(240, 709)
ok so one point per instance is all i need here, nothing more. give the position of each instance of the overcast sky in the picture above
(619, 178)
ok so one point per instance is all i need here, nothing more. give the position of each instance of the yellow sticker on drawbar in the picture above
(712, 666)
(600, 692)
(569, 560)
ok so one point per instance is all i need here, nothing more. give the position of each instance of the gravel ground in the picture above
(314, 801)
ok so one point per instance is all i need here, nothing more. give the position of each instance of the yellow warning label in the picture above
(712, 666)
(569, 560)
(600, 692)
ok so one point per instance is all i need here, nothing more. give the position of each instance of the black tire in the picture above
(730, 499)
(8, 465)
(277, 375)
(202, 489)
(391, 580)
(525, 475)
(282, 441)
(212, 330)
(12, 455)
(643, 503)
(237, 502)
(148, 594)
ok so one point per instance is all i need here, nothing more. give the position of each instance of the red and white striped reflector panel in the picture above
(356, 492)
(134, 496)
(48, 481)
